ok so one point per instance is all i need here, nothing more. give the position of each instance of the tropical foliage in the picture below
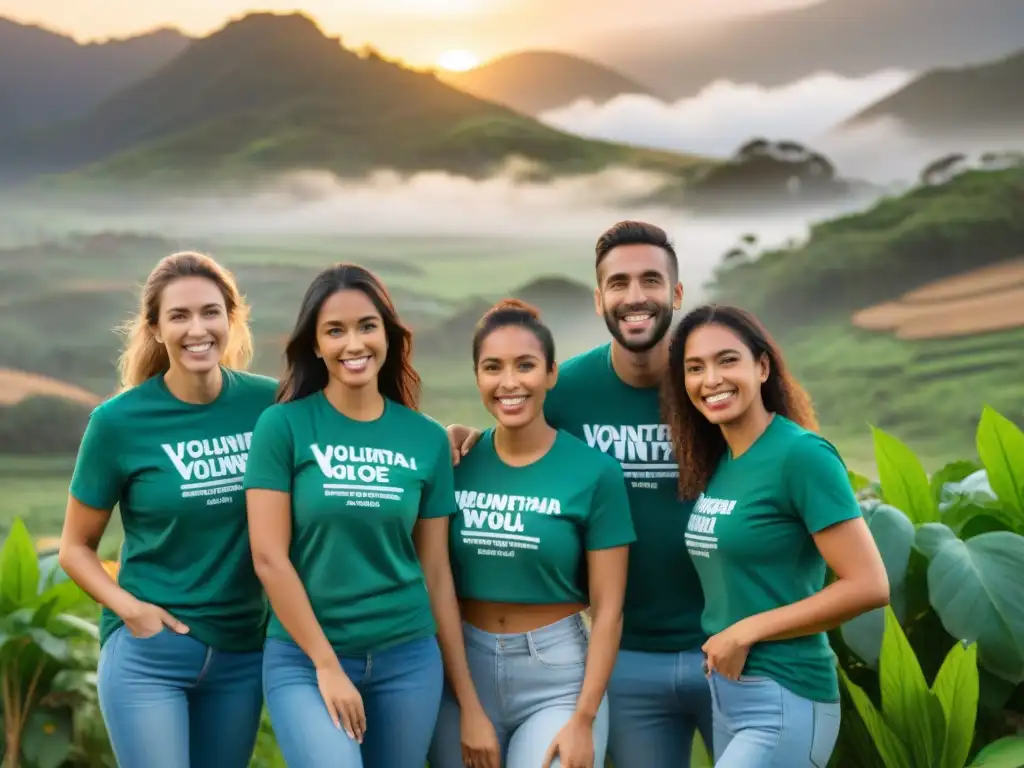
(953, 546)
(952, 543)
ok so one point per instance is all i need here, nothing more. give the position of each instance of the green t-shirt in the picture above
(522, 533)
(750, 539)
(357, 490)
(175, 471)
(663, 595)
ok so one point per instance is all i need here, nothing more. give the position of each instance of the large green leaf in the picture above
(858, 481)
(1001, 449)
(953, 472)
(894, 535)
(1007, 752)
(975, 588)
(956, 686)
(892, 751)
(19, 569)
(47, 738)
(909, 707)
(904, 481)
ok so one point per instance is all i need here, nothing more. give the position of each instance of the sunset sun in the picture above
(457, 61)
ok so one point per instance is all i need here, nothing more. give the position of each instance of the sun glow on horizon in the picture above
(458, 60)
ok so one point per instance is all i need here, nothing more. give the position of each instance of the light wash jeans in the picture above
(528, 684)
(400, 687)
(760, 724)
(656, 703)
(169, 701)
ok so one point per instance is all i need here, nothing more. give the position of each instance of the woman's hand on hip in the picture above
(574, 744)
(344, 704)
(480, 747)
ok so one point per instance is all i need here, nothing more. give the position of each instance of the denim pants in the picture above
(657, 702)
(401, 691)
(528, 684)
(169, 701)
(760, 724)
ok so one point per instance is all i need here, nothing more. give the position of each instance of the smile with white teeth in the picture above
(719, 396)
(198, 349)
(511, 402)
(638, 317)
(356, 363)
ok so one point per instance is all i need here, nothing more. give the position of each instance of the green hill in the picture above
(897, 244)
(958, 102)
(536, 81)
(808, 295)
(272, 93)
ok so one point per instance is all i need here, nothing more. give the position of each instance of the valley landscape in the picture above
(883, 247)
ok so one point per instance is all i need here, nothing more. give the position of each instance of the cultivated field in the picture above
(976, 302)
(15, 386)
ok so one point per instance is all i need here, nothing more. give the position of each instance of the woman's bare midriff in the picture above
(514, 618)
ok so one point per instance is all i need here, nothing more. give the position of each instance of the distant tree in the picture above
(791, 148)
(735, 255)
(749, 239)
(821, 166)
(941, 170)
(42, 424)
(753, 147)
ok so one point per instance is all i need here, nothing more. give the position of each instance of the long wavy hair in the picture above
(143, 356)
(306, 374)
(698, 444)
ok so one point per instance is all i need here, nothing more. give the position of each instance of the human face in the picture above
(512, 376)
(193, 324)
(350, 338)
(636, 296)
(723, 379)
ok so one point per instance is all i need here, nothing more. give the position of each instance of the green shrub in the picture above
(953, 546)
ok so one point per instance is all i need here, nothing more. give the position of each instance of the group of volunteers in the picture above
(634, 552)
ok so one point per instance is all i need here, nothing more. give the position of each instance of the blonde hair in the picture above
(143, 356)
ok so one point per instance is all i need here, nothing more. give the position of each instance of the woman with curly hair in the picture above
(774, 507)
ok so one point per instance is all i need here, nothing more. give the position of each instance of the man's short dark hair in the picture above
(635, 233)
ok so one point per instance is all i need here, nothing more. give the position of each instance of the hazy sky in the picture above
(416, 30)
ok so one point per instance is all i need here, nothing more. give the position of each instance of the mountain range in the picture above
(536, 81)
(848, 37)
(46, 77)
(953, 103)
(271, 92)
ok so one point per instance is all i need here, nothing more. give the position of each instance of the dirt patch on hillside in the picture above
(15, 386)
(983, 281)
(980, 301)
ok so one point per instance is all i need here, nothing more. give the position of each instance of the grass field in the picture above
(72, 294)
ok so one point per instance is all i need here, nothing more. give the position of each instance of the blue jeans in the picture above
(528, 684)
(401, 691)
(170, 701)
(760, 724)
(658, 701)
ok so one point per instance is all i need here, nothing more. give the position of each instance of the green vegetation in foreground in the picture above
(936, 678)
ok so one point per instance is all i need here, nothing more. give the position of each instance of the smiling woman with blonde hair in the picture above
(774, 509)
(182, 623)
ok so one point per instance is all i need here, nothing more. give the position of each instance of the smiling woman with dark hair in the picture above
(543, 532)
(350, 490)
(774, 508)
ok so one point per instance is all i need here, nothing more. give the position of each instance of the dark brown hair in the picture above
(635, 233)
(514, 312)
(698, 444)
(306, 373)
